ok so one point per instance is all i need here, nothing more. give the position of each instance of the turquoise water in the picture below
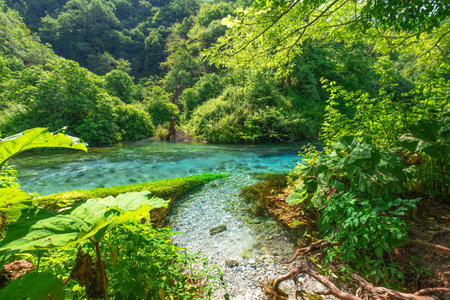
(147, 161)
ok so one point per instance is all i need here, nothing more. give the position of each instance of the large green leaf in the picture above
(431, 137)
(34, 286)
(43, 229)
(12, 201)
(36, 138)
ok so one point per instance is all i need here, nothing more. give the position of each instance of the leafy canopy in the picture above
(278, 28)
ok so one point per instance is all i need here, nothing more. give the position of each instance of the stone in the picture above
(217, 229)
(246, 254)
(18, 268)
(231, 263)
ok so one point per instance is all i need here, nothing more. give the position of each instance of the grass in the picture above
(169, 189)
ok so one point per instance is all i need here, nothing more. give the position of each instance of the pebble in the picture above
(220, 203)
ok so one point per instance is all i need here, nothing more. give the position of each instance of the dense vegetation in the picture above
(94, 220)
(167, 39)
(370, 79)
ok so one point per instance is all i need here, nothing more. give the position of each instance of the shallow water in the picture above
(146, 161)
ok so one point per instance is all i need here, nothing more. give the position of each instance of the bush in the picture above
(141, 263)
(134, 122)
(271, 124)
(119, 84)
(207, 87)
(365, 230)
(158, 105)
(245, 114)
(100, 127)
(161, 132)
(61, 94)
(148, 265)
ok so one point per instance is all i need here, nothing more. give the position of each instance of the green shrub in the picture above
(364, 231)
(142, 263)
(134, 122)
(161, 132)
(207, 87)
(161, 110)
(148, 266)
(119, 84)
(57, 95)
(271, 124)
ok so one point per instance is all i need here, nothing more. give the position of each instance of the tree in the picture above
(278, 28)
(119, 84)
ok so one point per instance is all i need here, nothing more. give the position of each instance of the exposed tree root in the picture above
(311, 247)
(441, 249)
(371, 291)
(439, 233)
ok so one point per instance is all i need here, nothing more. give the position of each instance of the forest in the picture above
(217, 97)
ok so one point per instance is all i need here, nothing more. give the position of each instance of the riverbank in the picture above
(170, 189)
(249, 249)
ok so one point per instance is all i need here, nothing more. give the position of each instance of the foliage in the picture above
(119, 84)
(207, 87)
(246, 114)
(161, 110)
(357, 189)
(39, 229)
(36, 138)
(431, 139)
(34, 286)
(365, 230)
(135, 123)
(101, 35)
(161, 132)
(353, 166)
(63, 94)
(16, 41)
(279, 28)
(13, 199)
(8, 177)
(149, 266)
(157, 267)
(43, 229)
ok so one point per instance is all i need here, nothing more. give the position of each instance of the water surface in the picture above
(146, 161)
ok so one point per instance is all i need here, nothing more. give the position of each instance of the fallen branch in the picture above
(373, 292)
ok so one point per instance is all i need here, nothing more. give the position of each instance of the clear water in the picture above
(146, 161)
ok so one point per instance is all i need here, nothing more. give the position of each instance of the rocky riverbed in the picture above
(217, 222)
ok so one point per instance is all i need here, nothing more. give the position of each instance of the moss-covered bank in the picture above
(170, 189)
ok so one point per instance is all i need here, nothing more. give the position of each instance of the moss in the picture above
(269, 196)
(170, 189)
(261, 194)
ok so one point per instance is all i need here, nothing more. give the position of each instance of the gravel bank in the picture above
(250, 250)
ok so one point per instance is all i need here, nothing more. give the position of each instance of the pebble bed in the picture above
(257, 246)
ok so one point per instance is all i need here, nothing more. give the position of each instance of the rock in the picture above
(18, 268)
(246, 254)
(251, 261)
(217, 229)
(231, 263)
